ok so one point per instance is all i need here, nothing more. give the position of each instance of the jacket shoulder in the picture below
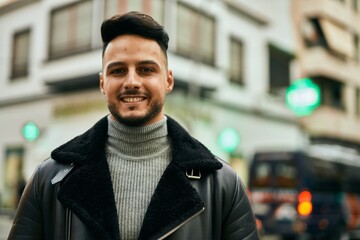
(227, 174)
(52, 171)
(238, 216)
(35, 201)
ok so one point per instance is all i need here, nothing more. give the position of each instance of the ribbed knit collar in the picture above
(137, 142)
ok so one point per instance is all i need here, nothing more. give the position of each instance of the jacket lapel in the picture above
(88, 191)
(175, 200)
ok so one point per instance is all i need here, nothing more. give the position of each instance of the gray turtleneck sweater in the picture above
(137, 157)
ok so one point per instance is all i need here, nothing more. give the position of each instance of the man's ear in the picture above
(101, 82)
(170, 82)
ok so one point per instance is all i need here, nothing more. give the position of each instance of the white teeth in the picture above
(132, 99)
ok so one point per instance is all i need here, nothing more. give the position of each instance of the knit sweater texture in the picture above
(137, 158)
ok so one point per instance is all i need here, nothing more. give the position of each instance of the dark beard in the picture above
(155, 109)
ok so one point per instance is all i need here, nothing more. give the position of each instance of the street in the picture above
(5, 224)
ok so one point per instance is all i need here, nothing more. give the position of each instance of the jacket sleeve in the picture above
(239, 221)
(28, 219)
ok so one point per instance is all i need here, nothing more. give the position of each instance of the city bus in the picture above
(311, 194)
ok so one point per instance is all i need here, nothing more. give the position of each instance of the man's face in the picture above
(135, 80)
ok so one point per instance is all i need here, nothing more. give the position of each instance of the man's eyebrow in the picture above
(114, 64)
(148, 62)
(119, 63)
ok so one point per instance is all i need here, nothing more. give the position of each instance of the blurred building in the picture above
(328, 51)
(232, 60)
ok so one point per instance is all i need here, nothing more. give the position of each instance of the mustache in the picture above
(130, 92)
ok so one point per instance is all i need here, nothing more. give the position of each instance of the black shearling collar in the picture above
(188, 152)
(88, 192)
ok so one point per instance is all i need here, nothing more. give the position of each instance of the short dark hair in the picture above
(135, 23)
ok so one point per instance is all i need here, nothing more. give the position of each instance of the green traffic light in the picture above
(30, 131)
(229, 140)
(303, 97)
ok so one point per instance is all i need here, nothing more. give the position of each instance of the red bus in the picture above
(312, 194)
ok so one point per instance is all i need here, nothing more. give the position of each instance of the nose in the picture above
(132, 80)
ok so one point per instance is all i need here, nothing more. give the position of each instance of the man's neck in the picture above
(137, 142)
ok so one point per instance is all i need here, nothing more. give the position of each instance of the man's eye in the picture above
(117, 71)
(146, 70)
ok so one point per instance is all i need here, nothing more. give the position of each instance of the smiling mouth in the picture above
(132, 99)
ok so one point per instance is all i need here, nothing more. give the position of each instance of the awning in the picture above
(338, 39)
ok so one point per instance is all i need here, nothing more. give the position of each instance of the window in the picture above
(325, 33)
(356, 48)
(112, 7)
(276, 174)
(331, 92)
(285, 175)
(326, 175)
(355, 5)
(195, 35)
(154, 8)
(262, 176)
(279, 70)
(12, 176)
(357, 102)
(20, 54)
(236, 61)
(312, 33)
(71, 29)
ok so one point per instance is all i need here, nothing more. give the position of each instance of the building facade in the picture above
(232, 61)
(328, 50)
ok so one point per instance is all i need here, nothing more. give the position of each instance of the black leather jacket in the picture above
(70, 196)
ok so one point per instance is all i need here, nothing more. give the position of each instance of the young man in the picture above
(136, 174)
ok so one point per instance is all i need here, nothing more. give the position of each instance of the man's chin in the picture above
(136, 118)
(132, 120)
